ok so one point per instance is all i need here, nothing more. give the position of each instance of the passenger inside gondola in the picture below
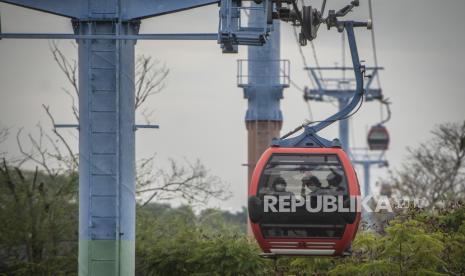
(322, 190)
(279, 187)
(310, 183)
(303, 175)
(335, 182)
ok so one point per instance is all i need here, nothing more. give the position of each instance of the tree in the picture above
(3, 136)
(150, 78)
(214, 220)
(435, 170)
(186, 180)
(39, 219)
(174, 241)
(454, 254)
(190, 182)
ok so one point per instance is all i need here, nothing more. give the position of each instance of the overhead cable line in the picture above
(317, 63)
(343, 36)
(373, 41)
(304, 61)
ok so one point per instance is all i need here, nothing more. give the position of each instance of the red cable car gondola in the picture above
(378, 138)
(295, 173)
(302, 232)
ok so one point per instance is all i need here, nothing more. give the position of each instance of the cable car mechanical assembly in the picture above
(308, 155)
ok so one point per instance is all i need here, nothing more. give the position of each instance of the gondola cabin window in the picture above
(303, 175)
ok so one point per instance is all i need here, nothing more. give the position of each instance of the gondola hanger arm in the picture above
(310, 132)
(388, 108)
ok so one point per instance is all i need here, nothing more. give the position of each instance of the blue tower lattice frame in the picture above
(106, 32)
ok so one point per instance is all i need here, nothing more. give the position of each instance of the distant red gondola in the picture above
(302, 232)
(378, 138)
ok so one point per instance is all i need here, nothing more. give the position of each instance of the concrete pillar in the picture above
(259, 136)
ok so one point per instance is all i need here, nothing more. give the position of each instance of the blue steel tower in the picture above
(106, 32)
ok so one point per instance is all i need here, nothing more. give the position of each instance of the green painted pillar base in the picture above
(106, 258)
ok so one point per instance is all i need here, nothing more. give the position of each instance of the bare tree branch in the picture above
(74, 106)
(150, 77)
(68, 67)
(191, 182)
(37, 153)
(62, 139)
(435, 170)
(70, 70)
(149, 80)
(8, 180)
(4, 133)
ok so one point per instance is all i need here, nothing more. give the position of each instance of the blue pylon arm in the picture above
(67, 8)
(140, 9)
(130, 9)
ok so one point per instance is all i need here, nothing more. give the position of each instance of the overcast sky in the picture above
(201, 112)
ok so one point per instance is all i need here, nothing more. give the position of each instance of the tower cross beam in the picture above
(161, 36)
(124, 10)
(329, 94)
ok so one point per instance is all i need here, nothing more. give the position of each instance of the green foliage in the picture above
(411, 249)
(38, 235)
(316, 266)
(227, 255)
(176, 242)
(454, 253)
(39, 219)
(214, 220)
(414, 243)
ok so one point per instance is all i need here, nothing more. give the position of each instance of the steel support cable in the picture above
(387, 104)
(317, 63)
(375, 57)
(304, 61)
(373, 41)
(296, 86)
(309, 109)
(381, 110)
(343, 55)
(352, 133)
